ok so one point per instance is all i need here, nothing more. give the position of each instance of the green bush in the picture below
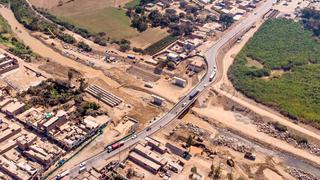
(84, 46)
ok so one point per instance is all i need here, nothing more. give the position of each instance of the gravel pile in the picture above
(195, 130)
(270, 129)
(232, 143)
(301, 175)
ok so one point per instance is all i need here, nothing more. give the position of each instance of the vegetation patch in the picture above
(160, 45)
(282, 45)
(8, 39)
(132, 4)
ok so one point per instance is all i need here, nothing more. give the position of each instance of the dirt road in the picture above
(45, 51)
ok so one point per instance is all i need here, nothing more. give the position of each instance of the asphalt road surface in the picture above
(185, 102)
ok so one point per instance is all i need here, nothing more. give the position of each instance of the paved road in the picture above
(185, 102)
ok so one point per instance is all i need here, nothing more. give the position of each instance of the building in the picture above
(7, 145)
(5, 102)
(156, 145)
(13, 108)
(26, 140)
(34, 118)
(175, 167)
(59, 119)
(196, 65)
(7, 64)
(146, 152)
(10, 168)
(8, 130)
(191, 44)
(179, 81)
(144, 162)
(157, 100)
(44, 152)
(199, 35)
(70, 135)
(173, 57)
(178, 151)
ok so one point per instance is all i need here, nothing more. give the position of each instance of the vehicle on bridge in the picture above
(115, 146)
(63, 174)
(212, 76)
(194, 94)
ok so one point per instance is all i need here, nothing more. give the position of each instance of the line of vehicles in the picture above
(111, 147)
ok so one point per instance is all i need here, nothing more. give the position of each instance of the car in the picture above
(82, 164)
(184, 104)
(134, 136)
(148, 129)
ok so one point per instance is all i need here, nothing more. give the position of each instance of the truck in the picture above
(194, 94)
(212, 76)
(115, 146)
(63, 174)
(131, 56)
(250, 156)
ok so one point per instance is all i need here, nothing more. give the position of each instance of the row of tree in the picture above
(311, 20)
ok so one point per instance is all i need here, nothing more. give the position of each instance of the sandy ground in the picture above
(45, 51)
(203, 163)
(291, 6)
(241, 124)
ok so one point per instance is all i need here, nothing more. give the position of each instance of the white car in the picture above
(82, 164)
(134, 136)
(184, 104)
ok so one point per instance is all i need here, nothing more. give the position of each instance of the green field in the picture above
(132, 4)
(112, 21)
(282, 45)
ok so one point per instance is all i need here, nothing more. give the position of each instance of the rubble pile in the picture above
(195, 130)
(232, 143)
(300, 174)
(284, 135)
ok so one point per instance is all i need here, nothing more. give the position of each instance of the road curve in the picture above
(185, 102)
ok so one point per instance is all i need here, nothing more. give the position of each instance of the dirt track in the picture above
(46, 51)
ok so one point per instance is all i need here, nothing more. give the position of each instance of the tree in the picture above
(82, 85)
(183, 4)
(194, 169)
(139, 22)
(85, 47)
(130, 173)
(70, 75)
(211, 170)
(217, 172)
(189, 141)
(226, 19)
(124, 47)
(171, 65)
(139, 10)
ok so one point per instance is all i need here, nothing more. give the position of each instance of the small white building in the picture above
(179, 81)
(196, 65)
(157, 100)
(173, 56)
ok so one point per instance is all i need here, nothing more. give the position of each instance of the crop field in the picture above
(99, 16)
(282, 45)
